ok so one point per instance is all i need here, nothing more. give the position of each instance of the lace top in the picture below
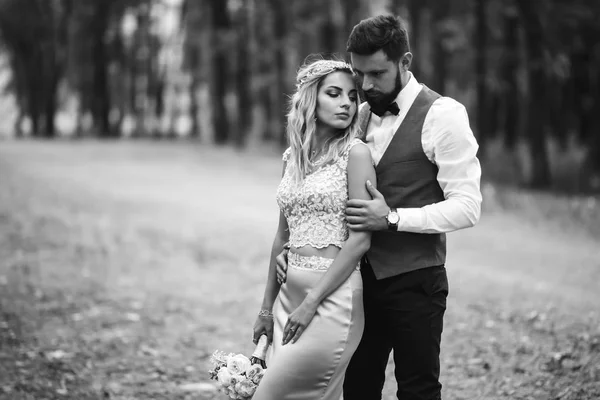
(315, 207)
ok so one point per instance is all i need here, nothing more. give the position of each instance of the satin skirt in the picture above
(313, 368)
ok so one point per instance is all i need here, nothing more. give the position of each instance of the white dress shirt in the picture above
(447, 142)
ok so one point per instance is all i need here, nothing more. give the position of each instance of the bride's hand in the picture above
(263, 326)
(298, 321)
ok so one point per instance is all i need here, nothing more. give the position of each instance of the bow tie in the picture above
(392, 108)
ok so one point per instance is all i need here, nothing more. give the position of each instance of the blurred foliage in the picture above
(526, 70)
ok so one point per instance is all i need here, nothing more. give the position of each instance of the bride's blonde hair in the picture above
(301, 119)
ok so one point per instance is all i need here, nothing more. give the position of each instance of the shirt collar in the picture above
(409, 93)
(405, 98)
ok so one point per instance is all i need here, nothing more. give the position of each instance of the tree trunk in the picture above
(50, 107)
(480, 76)
(494, 103)
(536, 102)
(220, 25)
(332, 29)
(101, 100)
(585, 77)
(142, 83)
(195, 58)
(352, 16)
(258, 69)
(594, 142)
(327, 30)
(509, 72)
(18, 125)
(132, 77)
(154, 90)
(592, 112)
(280, 32)
(414, 9)
(22, 92)
(194, 107)
(440, 59)
(34, 99)
(242, 76)
(35, 125)
(159, 103)
(51, 47)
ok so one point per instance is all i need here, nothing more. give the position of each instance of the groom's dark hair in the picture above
(383, 32)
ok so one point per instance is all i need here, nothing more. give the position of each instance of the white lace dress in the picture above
(313, 368)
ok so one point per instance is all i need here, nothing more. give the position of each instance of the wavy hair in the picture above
(301, 119)
(383, 32)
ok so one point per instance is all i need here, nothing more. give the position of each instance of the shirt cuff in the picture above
(411, 219)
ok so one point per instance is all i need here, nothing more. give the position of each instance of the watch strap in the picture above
(393, 226)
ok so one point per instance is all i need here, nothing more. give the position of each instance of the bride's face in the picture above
(337, 100)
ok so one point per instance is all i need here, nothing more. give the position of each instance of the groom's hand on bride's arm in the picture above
(282, 264)
(367, 215)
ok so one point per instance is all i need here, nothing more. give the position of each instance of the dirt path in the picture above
(123, 266)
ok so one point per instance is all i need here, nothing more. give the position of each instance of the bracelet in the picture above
(265, 313)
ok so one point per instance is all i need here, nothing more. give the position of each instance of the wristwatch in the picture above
(392, 219)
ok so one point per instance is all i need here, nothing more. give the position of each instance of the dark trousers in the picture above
(403, 313)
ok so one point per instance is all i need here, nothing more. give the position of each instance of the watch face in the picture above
(393, 218)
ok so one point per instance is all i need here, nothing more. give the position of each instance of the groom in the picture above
(428, 178)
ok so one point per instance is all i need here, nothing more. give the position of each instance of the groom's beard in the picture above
(379, 100)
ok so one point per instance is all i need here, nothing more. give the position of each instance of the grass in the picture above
(123, 266)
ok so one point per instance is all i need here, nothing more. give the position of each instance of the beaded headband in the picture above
(323, 67)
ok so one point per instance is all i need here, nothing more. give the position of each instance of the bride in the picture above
(315, 320)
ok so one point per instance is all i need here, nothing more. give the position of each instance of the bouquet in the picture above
(237, 374)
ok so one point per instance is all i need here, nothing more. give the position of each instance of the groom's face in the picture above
(378, 77)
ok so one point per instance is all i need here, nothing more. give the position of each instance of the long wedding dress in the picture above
(313, 368)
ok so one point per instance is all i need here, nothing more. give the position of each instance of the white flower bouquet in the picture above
(236, 374)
